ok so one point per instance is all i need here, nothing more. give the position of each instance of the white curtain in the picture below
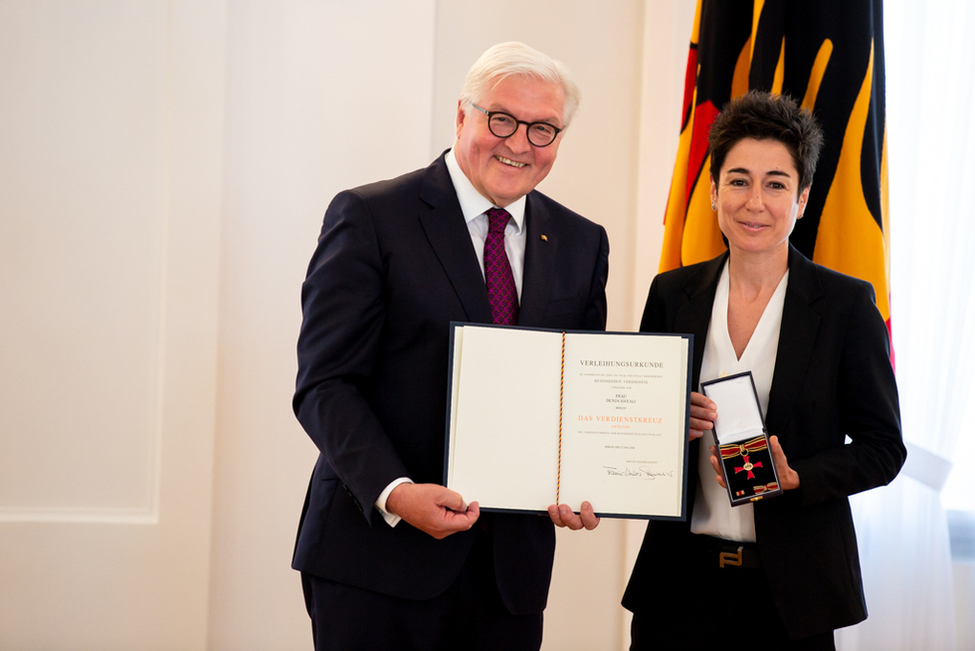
(903, 532)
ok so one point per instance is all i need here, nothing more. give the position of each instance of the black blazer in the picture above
(394, 266)
(832, 379)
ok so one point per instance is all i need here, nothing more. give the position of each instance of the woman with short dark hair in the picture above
(782, 572)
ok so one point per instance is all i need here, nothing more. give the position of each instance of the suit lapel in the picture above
(797, 336)
(694, 316)
(541, 246)
(451, 241)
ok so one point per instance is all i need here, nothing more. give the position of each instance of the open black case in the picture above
(742, 440)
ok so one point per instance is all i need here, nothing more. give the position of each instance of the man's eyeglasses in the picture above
(504, 125)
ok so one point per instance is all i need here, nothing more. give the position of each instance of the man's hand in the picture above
(788, 478)
(563, 516)
(703, 414)
(432, 508)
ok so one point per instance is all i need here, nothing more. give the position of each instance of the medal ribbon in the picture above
(744, 449)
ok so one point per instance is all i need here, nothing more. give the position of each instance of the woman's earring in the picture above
(714, 207)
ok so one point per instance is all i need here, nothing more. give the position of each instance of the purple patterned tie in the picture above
(497, 270)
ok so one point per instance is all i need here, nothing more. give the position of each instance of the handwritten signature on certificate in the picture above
(641, 472)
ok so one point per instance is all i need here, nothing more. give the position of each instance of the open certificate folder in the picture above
(539, 417)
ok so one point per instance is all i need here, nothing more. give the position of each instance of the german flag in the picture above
(830, 55)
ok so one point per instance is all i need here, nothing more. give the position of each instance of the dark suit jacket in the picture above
(394, 266)
(832, 379)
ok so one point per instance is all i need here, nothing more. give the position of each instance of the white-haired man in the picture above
(389, 557)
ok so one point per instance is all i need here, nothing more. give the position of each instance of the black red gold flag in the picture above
(827, 54)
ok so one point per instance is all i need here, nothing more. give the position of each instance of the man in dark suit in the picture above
(389, 557)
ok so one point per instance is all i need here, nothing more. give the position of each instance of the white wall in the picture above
(111, 137)
(250, 115)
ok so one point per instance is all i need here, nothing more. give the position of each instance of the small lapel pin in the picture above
(544, 238)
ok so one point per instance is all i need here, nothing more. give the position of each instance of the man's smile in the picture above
(508, 161)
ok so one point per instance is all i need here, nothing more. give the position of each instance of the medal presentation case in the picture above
(742, 440)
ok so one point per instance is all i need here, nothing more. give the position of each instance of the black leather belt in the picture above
(727, 553)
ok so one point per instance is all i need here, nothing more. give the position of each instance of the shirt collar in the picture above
(472, 203)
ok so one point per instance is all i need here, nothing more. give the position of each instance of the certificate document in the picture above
(539, 417)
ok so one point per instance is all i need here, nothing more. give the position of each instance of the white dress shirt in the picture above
(713, 514)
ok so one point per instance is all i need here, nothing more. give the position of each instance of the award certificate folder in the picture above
(742, 440)
(539, 417)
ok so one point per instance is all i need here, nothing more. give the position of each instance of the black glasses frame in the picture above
(528, 126)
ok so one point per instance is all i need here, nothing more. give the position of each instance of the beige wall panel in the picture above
(83, 154)
(110, 148)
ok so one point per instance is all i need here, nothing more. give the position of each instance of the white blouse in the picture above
(713, 514)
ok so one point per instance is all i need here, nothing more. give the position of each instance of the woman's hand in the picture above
(717, 466)
(703, 414)
(788, 478)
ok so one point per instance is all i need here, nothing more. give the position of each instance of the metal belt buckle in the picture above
(727, 558)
